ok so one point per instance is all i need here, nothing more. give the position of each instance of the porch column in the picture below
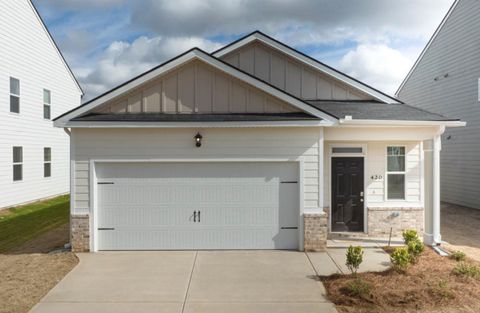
(431, 150)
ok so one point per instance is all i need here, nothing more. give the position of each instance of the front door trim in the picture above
(364, 155)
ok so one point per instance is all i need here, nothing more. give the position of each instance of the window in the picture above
(395, 173)
(47, 162)
(347, 150)
(14, 95)
(17, 163)
(46, 104)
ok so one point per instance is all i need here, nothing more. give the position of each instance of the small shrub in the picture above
(443, 290)
(466, 270)
(358, 288)
(409, 235)
(354, 258)
(415, 248)
(458, 256)
(400, 259)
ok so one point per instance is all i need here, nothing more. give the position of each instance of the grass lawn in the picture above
(24, 223)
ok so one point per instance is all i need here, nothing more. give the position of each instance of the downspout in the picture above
(69, 245)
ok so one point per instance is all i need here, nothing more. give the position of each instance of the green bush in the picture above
(458, 256)
(354, 258)
(409, 235)
(443, 290)
(358, 288)
(415, 248)
(467, 270)
(400, 259)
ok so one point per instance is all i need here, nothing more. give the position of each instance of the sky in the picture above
(107, 42)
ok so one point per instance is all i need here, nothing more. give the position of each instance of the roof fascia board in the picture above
(425, 49)
(78, 124)
(401, 123)
(306, 60)
(205, 57)
(49, 35)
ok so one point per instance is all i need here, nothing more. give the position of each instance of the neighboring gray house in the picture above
(446, 79)
(255, 146)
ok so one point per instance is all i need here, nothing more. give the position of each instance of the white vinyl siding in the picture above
(28, 54)
(454, 51)
(178, 144)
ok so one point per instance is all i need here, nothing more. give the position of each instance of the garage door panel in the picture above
(151, 206)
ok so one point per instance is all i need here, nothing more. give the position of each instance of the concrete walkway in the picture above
(189, 281)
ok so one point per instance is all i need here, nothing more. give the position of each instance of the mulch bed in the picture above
(427, 286)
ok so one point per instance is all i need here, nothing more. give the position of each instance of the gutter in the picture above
(349, 121)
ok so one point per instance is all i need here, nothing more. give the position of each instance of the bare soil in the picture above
(428, 286)
(28, 272)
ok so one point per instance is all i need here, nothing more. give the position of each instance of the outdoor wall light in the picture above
(198, 140)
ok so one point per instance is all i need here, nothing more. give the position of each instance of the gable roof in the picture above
(305, 59)
(189, 55)
(429, 43)
(49, 35)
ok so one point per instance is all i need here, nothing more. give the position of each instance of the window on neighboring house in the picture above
(17, 163)
(47, 162)
(14, 95)
(46, 103)
(396, 173)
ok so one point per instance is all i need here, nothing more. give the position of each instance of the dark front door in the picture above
(347, 194)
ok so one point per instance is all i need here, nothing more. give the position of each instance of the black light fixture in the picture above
(198, 140)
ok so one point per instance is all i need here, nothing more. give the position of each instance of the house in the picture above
(36, 85)
(446, 79)
(254, 146)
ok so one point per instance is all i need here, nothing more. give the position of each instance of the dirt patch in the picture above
(428, 286)
(28, 272)
(460, 229)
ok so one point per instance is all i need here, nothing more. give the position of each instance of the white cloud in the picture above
(377, 65)
(121, 61)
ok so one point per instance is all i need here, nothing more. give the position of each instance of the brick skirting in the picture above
(80, 233)
(315, 231)
(380, 220)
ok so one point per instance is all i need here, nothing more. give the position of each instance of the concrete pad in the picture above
(374, 259)
(323, 264)
(260, 308)
(126, 277)
(68, 307)
(254, 277)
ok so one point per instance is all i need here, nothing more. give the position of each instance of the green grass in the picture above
(21, 224)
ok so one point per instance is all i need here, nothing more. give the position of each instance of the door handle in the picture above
(361, 193)
(194, 216)
(199, 216)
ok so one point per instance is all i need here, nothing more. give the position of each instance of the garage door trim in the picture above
(93, 185)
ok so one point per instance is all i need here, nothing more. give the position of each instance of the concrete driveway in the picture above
(186, 281)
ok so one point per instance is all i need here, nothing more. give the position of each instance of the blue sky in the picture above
(107, 42)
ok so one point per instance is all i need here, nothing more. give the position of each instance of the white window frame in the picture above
(17, 163)
(404, 173)
(45, 162)
(49, 105)
(13, 95)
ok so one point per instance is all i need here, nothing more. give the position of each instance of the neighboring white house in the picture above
(446, 79)
(255, 146)
(36, 85)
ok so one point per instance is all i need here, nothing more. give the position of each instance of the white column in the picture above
(321, 179)
(431, 150)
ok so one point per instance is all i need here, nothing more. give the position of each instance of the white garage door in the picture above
(155, 206)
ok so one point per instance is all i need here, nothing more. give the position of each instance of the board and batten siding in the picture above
(446, 81)
(28, 54)
(287, 74)
(375, 164)
(177, 144)
(196, 87)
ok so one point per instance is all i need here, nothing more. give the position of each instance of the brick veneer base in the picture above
(315, 231)
(80, 233)
(380, 220)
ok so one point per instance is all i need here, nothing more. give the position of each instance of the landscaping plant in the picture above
(466, 270)
(354, 258)
(415, 248)
(400, 259)
(359, 288)
(409, 235)
(458, 256)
